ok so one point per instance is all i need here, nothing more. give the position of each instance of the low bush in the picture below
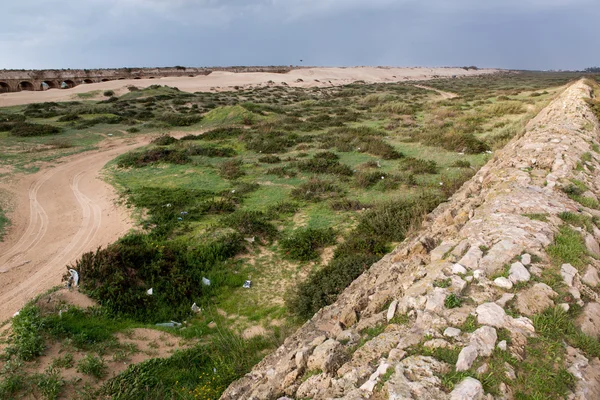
(316, 190)
(26, 129)
(208, 151)
(69, 118)
(27, 343)
(231, 169)
(108, 93)
(461, 164)
(153, 156)
(303, 244)
(348, 205)
(323, 165)
(164, 140)
(251, 223)
(270, 159)
(419, 166)
(174, 119)
(93, 366)
(282, 172)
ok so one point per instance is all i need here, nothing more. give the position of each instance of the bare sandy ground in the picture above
(221, 81)
(61, 212)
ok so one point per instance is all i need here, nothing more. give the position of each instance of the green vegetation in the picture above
(297, 190)
(568, 247)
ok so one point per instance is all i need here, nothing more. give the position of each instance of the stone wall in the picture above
(488, 247)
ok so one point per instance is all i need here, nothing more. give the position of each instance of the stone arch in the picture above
(105, 80)
(67, 84)
(137, 77)
(191, 76)
(4, 88)
(121, 79)
(88, 80)
(26, 85)
(151, 77)
(45, 85)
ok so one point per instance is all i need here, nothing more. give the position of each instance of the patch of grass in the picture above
(537, 217)
(303, 244)
(93, 366)
(452, 301)
(568, 247)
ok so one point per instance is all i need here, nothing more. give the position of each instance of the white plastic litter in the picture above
(74, 277)
(247, 285)
(195, 308)
(150, 291)
(205, 281)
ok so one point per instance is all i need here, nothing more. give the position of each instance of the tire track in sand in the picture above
(64, 211)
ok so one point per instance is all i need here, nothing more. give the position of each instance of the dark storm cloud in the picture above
(531, 34)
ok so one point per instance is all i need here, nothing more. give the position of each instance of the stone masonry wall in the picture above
(486, 228)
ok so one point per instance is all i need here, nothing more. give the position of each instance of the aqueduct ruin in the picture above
(38, 80)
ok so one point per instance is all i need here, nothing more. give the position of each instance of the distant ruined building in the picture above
(39, 80)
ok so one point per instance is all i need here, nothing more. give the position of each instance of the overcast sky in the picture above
(519, 34)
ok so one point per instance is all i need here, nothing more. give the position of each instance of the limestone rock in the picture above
(503, 283)
(502, 345)
(452, 332)
(589, 320)
(590, 277)
(491, 314)
(326, 357)
(468, 389)
(506, 297)
(471, 259)
(435, 302)
(568, 273)
(313, 386)
(439, 252)
(391, 310)
(458, 269)
(518, 273)
(592, 245)
(525, 259)
(484, 339)
(509, 371)
(466, 357)
(348, 317)
(349, 337)
(586, 373)
(417, 377)
(535, 299)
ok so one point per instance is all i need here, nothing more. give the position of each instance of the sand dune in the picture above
(221, 81)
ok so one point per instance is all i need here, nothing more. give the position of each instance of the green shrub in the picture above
(419, 166)
(323, 286)
(153, 156)
(282, 172)
(461, 164)
(231, 169)
(69, 118)
(303, 244)
(208, 151)
(164, 140)
(316, 190)
(26, 129)
(270, 159)
(348, 205)
(251, 223)
(174, 119)
(322, 165)
(108, 93)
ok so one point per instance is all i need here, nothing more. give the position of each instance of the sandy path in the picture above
(61, 212)
(221, 81)
(444, 95)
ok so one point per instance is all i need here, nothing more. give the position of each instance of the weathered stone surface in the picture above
(568, 272)
(484, 339)
(503, 283)
(326, 357)
(458, 269)
(391, 310)
(466, 357)
(506, 297)
(471, 259)
(348, 317)
(502, 345)
(452, 332)
(590, 277)
(592, 245)
(468, 389)
(526, 259)
(439, 252)
(589, 320)
(491, 314)
(435, 302)
(416, 377)
(535, 299)
(586, 373)
(518, 273)
(313, 386)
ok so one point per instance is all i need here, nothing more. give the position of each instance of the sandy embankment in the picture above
(218, 81)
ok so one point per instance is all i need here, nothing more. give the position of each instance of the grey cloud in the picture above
(97, 33)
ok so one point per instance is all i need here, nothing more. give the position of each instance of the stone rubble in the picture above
(482, 230)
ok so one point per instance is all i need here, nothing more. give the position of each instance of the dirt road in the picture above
(61, 212)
